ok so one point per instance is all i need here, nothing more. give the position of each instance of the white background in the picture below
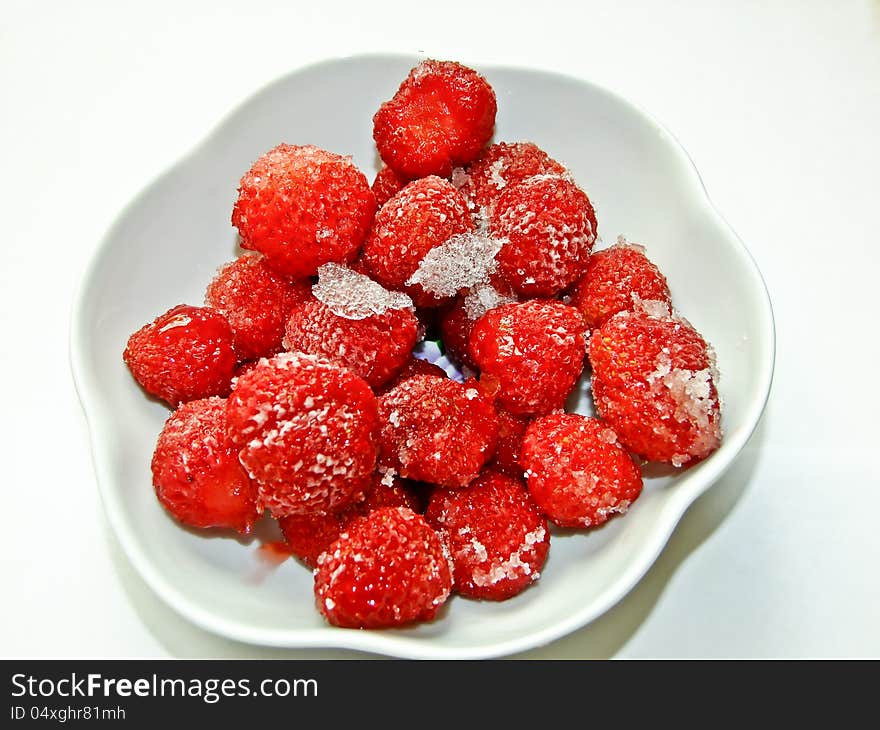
(777, 103)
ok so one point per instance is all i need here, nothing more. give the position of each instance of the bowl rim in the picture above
(387, 642)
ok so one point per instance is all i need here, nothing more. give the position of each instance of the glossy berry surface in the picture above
(301, 207)
(386, 569)
(306, 430)
(196, 473)
(497, 537)
(442, 115)
(183, 355)
(577, 472)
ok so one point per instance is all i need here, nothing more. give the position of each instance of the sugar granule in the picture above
(481, 298)
(462, 261)
(651, 307)
(352, 295)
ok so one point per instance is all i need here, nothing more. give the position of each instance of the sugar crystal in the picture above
(352, 295)
(481, 298)
(462, 261)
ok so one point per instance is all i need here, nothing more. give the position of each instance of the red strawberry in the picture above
(436, 430)
(654, 383)
(442, 115)
(423, 215)
(183, 355)
(577, 473)
(306, 430)
(303, 207)
(535, 350)
(308, 536)
(495, 534)
(256, 301)
(502, 165)
(615, 280)
(414, 366)
(550, 228)
(386, 569)
(353, 320)
(511, 430)
(387, 184)
(456, 320)
(196, 472)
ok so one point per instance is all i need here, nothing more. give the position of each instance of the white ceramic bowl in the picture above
(167, 243)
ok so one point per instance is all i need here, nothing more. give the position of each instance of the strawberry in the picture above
(577, 472)
(303, 207)
(306, 430)
(442, 115)
(183, 355)
(423, 215)
(535, 350)
(550, 227)
(386, 569)
(495, 534)
(615, 280)
(654, 383)
(436, 430)
(196, 473)
(256, 301)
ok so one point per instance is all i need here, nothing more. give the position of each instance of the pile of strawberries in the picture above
(297, 392)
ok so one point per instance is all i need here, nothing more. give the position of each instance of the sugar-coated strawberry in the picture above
(534, 349)
(376, 347)
(654, 382)
(387, 184)
(353, 320)
(306, 429)
(183, 355)
(423, 215)
(256, 301)
(442, 115)
(196, 473)
(303, 207)
(456, 320)
(615, 280)
(550, 227)
(308, 536)
(511, 430)
(577, 472)
(501, 165)
(386, 569)
(436, 430)
(495, 534)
